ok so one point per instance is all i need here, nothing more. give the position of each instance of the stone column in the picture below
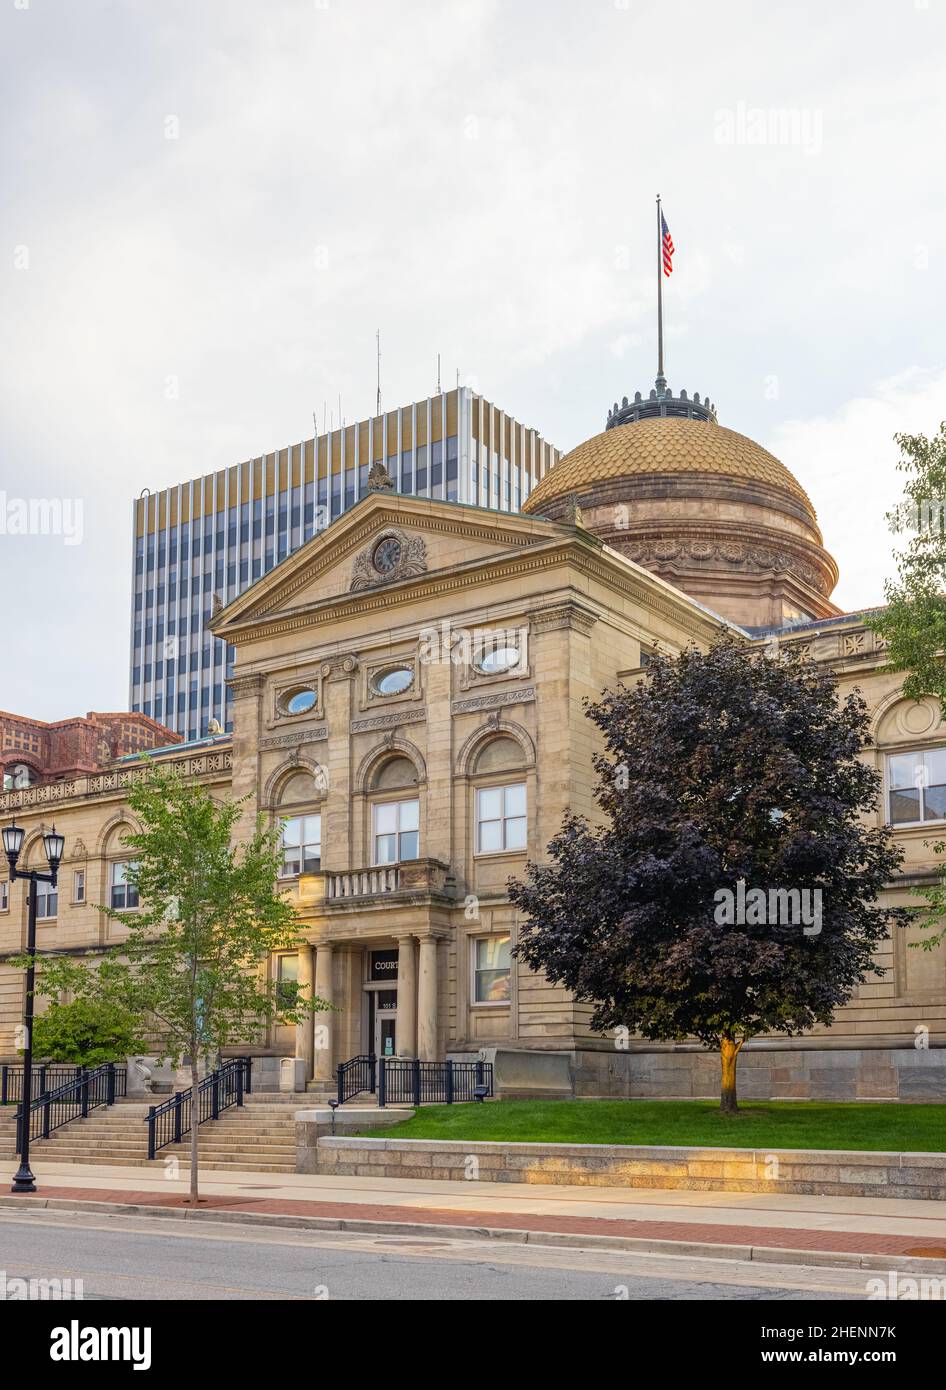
(247, 717)
(322, 1022)
(406, 997)
(427, 1000)
(305, 1040)
(340, 830)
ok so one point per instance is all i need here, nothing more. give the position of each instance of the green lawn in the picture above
(759, 1124)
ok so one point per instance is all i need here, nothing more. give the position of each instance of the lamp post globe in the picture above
(12, 842)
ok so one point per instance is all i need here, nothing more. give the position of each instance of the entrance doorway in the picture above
(385, 1033)
(380, 1035)
(382, 1022)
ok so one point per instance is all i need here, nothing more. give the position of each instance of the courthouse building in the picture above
(407, 697)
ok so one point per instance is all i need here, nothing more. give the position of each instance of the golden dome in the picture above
(659, 446)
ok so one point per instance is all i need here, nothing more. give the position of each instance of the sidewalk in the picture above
(847, 1229)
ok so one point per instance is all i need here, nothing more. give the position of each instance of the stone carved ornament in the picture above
(392, 555)
(749, 557)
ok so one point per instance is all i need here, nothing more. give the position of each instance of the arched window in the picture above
(395, 811)
(501, 799)
(299, 798)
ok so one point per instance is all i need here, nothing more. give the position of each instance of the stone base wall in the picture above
(316, 1124)
(906, 1074)
(809, 1172)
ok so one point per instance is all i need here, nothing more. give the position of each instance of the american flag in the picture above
(666, 245)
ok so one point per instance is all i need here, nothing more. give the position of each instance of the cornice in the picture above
(588, 555)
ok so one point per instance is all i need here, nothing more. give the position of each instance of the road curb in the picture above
(756, 1254)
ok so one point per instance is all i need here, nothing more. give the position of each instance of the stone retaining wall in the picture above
(766, 1073)
(810, 1172)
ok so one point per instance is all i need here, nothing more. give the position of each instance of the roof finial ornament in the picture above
(379, 479)
(573, 513)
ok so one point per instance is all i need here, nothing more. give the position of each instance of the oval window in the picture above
(300, 701)
(499, 659)
(394, 681)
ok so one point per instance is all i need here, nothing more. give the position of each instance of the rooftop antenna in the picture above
(315, 423)
(438, 375)
(324, 414)
(340, 420)
(378, 336)
(458, 378)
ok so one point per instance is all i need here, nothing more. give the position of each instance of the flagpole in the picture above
(661, 382)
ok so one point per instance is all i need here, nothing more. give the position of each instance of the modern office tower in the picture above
(202, 543)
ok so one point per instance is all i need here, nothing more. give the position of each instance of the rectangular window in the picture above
(287, 981)
(78, 886)
(4, 895)
(123, 895)
(396, 831)
(47, 900)
(492, 969)
(500, 818)
(301, 845)
(917, 786)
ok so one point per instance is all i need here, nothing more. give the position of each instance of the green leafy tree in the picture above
(725, 774)
(914, 622)
(211, 913)
(87, 1032)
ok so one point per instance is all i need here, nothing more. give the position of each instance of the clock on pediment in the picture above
(391, 556)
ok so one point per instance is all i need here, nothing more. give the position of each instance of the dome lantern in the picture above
(661, 402)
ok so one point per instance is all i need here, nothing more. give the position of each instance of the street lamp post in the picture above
(12, 844)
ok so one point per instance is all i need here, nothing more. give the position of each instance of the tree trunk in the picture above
(195, 1125)
(728, 1054)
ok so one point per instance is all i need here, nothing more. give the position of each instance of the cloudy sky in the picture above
(209, 208)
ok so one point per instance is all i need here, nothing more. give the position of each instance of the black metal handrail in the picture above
(170, 1121)
(47, 1076)
(73, 1100)
(356, 1076)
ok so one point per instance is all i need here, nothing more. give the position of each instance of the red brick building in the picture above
(32, 752)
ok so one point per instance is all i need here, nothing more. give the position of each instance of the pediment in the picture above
(384, 542)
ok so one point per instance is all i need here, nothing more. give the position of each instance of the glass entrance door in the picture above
(385, 1033)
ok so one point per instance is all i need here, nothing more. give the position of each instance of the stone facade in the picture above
(354, 701)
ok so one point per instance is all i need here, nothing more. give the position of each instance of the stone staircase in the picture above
(7, 1131)
(260, 1136)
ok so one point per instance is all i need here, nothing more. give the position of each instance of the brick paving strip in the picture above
(351, 1213)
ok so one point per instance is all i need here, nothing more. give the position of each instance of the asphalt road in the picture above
(159, 1258)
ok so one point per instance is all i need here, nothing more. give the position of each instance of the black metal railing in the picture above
(73, 1100)
(356, 1076)
(47, 1076)
(407, 1081)
(170, 1121)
